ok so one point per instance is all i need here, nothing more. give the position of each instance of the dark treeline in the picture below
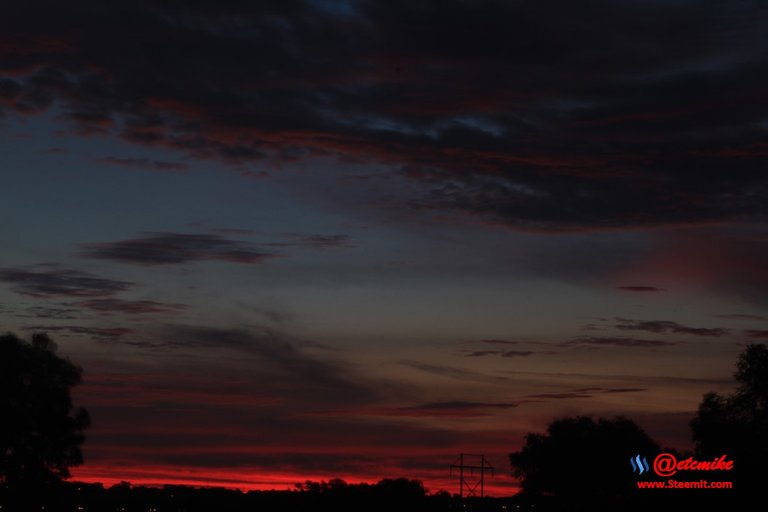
(390, 495)
(337, 495)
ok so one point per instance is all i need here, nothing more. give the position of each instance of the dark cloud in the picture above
(465, 405)
(322, 241)
(544, 116)
(628, 378)
(56, 313)
(231, 231)
(584, 393)
(664, 326)
(623, 390)
(560, 396)
(501, 353)
(481, 353)
(96, 333)
(515, 353)
(60, 282)
(145, 163)
(448, 409)
(756, 333)
(499, 342)
(619, 342)
(640, 289)
(742, 316)
(175, 248)
(129, 307)
(317, 241)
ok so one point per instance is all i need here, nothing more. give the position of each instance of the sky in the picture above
(299, 240)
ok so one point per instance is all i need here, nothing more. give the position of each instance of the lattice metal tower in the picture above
(472, 469)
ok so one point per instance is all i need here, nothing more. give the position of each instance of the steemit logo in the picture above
(639, 465)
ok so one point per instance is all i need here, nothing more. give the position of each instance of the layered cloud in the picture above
(96, 333)
(618, 342)
(666, 326)
(176, 248)
(608, 115)
(54, 282)
(145, 163)
(457, 409)
(129, 307)
(56, 313)
(502, 353)
(640, 288)
(742, 316)
(583, 393)
(317, 241)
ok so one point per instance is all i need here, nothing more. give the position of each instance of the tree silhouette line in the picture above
(584, 464)
(579, 463)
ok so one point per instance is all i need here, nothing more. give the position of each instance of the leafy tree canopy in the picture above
(581, 457)
(41, 430)
(737, 424)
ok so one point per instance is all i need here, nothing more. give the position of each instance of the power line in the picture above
(472, 469)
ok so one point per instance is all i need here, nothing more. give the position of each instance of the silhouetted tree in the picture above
(40, 431)
(581, 460)
(737, 425)
(401, 489)
(386, 495)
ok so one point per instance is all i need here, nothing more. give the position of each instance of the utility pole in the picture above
(477, 467)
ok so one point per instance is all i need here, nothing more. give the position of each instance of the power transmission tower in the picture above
(472, 469)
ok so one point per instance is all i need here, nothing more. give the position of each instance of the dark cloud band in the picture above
(610, 115)
(176, 248)
(60, 283)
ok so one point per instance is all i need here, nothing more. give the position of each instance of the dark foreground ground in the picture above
(390, 496)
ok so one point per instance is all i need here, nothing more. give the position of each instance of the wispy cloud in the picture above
(96, 333)
(584, 393)
(665, 326)
(742, 316)
(52, 312)
(176, 248)
(640, 288)
(500, 353)
(560, 396)
(129, 307)
(145, 163)
(457, 409)
(273, 354)
(499, 342)
(454, 372)
(60, 283)
(317, 241)
(618, 342)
